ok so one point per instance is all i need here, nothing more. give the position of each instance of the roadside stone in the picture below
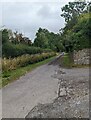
(82, 57)
(62, 92)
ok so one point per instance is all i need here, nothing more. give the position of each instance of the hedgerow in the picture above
(12, 50)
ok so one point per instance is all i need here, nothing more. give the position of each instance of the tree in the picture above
(75, 34)
(78, 37)
(41, 39)
(89, 7)
(46, 39)
(5, 36)
(18, 37)
(55, 42)
(73, 9)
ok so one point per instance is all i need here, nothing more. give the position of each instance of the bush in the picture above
(12, 50)
(8, 50)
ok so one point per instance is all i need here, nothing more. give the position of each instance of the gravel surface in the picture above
(73, 96)
(48, 92)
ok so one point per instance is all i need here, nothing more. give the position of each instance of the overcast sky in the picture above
(27, 16)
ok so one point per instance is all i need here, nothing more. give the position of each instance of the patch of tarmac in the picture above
(72, 99)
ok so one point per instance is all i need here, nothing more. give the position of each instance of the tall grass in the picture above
(10, 76)
(66, 61)
(21, 61)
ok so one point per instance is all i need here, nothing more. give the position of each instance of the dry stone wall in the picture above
(82, 57)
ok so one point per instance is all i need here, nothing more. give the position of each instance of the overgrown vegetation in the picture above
(9, 76)
(75, 35)
(66, 61)
(24, 60)
(12, 50)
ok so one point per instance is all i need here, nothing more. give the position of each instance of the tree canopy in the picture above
(74, 9)
(46, 39)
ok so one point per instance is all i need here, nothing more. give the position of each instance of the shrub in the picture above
(12, 50)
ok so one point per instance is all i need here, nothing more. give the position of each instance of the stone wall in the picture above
(82, 57)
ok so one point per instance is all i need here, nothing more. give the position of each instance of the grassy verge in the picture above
(66, 62)
(10, 76)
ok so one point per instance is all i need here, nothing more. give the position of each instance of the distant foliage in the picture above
(48, 40)
(18, 45)
(10, 50)
(5, 37)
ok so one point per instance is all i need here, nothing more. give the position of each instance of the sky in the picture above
(27, 16)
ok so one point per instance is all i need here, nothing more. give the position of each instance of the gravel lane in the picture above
(73, 96)
(49, 91)
(38, 86)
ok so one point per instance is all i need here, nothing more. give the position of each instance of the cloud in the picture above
(45, 12)
(27, 17)
(43, 1)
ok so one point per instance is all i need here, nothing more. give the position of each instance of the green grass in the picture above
(10, 76)
(66, 62)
